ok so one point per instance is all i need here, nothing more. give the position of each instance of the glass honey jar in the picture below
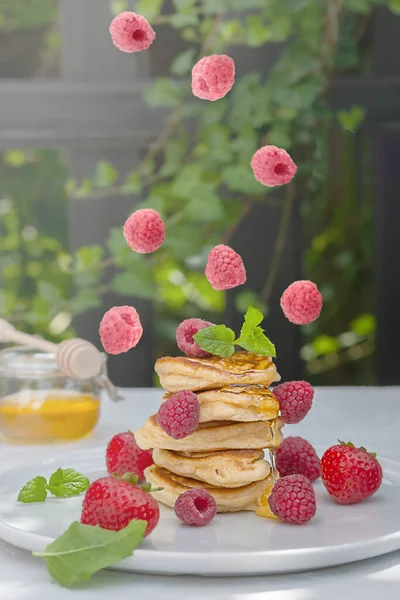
(39, 404)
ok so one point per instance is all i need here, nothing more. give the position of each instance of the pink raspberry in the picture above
(144, 230)
(213, 77)
(273, 166)
(179, 415)
(296, 456)
(120, 329)
(195, 507)
(293, 499)
(295, 400)
(131, 32)
(301, 302)
(184, 337)
(225, 268)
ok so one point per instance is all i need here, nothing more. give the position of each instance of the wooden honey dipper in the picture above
(77, 358)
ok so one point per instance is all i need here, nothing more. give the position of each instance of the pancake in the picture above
(216, 435)
(246, 497)
(227, 468)
(237, 403)
(241, 368)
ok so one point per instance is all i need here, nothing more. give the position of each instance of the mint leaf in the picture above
(253, 317)
(65, 483)
(33, 491)
(257, 342)
(216, 339)
(252, 337)
(83, 550)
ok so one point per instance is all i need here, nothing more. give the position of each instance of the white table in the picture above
(366, 416)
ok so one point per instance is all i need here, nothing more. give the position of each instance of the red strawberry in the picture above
(350, 474)
(112, 503)
(123, 455)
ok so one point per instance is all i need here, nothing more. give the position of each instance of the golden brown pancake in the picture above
(227, 468)
(241, 368)
(237, 403)
(216, 435)
(246, 497)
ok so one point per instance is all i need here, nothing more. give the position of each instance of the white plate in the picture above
(233, 544)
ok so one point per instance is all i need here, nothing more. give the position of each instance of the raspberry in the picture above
(123, 455)
(184, 337)
(296, 456)
(295, 400)
(225, 268)
(213, 77)
(293, 499)
(131, 32)
(273, 166)
(113, 503)
(179, 415)
(195, 507)
(120, 329)
(144, 231)
(301, 302)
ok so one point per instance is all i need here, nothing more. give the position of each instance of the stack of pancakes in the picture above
(238, 420)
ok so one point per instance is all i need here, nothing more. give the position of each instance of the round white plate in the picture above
(233, 544)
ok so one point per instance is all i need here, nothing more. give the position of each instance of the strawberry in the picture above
(350, 474)
(123, 455)
(113, 502)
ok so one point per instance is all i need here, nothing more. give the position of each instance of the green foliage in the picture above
(20, 14)
(198, 176)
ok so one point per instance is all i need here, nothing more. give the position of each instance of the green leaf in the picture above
(364, 325)
(136, 281)
(252, 337)
(394, 6)
(49, 292)
(184, 62)
(83, 550)
(253, 317)
(105, 174)
(325, 344)
(217, 339)
(255, 340)
(15, 158)
(65, 483)
(164, 92)
(88, 257)
(33, 491)
(149, 8)
(118, 6)
(351, 120)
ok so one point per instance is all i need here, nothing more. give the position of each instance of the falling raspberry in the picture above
(293, 499)
(213, 77)
(301, 302)
(120, 329)
(296, 456)
(179, 415)
(131, 32)
(144, 230)
(195, 507)
(273, 166)
(295, 400)
(225, 268)
(184, 337)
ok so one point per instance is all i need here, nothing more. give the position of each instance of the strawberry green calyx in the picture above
(133, 479)
(351, 445)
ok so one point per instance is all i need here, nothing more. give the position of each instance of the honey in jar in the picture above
(38, 404)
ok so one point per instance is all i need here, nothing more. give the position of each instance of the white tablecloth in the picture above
(366, 416)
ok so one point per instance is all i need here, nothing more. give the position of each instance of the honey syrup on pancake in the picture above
(264, 510)
(239, 362)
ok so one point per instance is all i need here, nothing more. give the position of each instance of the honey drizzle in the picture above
(272, 452)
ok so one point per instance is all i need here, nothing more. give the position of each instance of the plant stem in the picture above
(279, 244)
